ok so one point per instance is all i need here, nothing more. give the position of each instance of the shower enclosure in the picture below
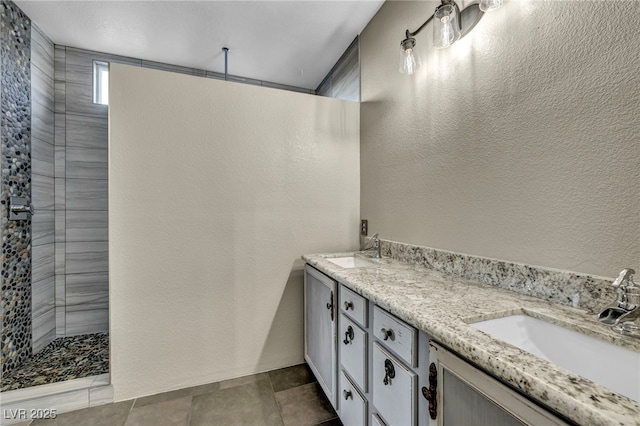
(54, 211)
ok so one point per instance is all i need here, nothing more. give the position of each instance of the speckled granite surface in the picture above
(567, 288)
(442, 305)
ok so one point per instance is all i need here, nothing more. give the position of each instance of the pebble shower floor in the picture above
(65, 358)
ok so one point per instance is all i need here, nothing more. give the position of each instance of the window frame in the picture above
(100, 82)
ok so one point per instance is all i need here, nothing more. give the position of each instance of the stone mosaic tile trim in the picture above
(15, 39)
(63, 359)
(567, 288)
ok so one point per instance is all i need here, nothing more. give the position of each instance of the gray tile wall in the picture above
(43, 194)
(59, 188)
(343, 81)
(81, 187)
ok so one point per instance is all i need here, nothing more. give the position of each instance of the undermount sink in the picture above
(350, 262)
(607, 364)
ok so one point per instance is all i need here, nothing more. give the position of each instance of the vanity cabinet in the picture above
(320, 322)
(378, 370)
(365, 359)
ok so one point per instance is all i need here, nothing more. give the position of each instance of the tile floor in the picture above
(285, 397)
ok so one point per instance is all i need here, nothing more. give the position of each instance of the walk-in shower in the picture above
(54, 240)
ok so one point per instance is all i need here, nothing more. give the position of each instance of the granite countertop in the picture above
(443, 305)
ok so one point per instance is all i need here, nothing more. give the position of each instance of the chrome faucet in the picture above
(623, 315)
(375, 245)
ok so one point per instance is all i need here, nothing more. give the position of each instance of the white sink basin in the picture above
(350, 262)
(607, 364)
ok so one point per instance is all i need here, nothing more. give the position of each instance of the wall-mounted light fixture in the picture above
(449, 25)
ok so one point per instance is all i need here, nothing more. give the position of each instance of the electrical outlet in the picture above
(364, 227)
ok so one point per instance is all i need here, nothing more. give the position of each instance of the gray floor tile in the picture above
(103, 415)
(290, 377)
(174, 412)
(332, 422)
(304, 405)
(177, 394)
(226, 384)
(250, 404)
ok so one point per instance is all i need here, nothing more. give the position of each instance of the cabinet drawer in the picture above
(353, 407)
(394, 389)
(396, 335)
(353, 305)
(353, 351)
(376, 421)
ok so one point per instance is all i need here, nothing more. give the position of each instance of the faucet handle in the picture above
(625, 276)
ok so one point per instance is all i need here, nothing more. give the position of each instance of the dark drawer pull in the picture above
(389, 372)
(431, 394)
(348, 336)
(330, 306)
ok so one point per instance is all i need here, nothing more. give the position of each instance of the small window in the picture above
(101, 82)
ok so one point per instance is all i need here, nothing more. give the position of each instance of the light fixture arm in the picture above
(467, 15)
(409, 34)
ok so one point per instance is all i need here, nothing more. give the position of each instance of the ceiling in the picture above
(287, 42)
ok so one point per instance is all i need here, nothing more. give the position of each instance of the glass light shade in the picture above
(446, 26)
(409, 62)
(489, 5)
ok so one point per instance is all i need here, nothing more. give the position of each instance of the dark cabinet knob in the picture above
(387, 334)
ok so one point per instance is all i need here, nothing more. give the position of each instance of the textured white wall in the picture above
(521, 142)
(215, 190)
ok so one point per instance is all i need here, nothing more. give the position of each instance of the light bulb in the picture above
(489, 5)
(446, 29)
(446, 32)
(409, 62)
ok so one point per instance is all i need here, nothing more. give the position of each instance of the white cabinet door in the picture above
(353, 407)
(394, 389)
(465, 395)
(320, 329)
